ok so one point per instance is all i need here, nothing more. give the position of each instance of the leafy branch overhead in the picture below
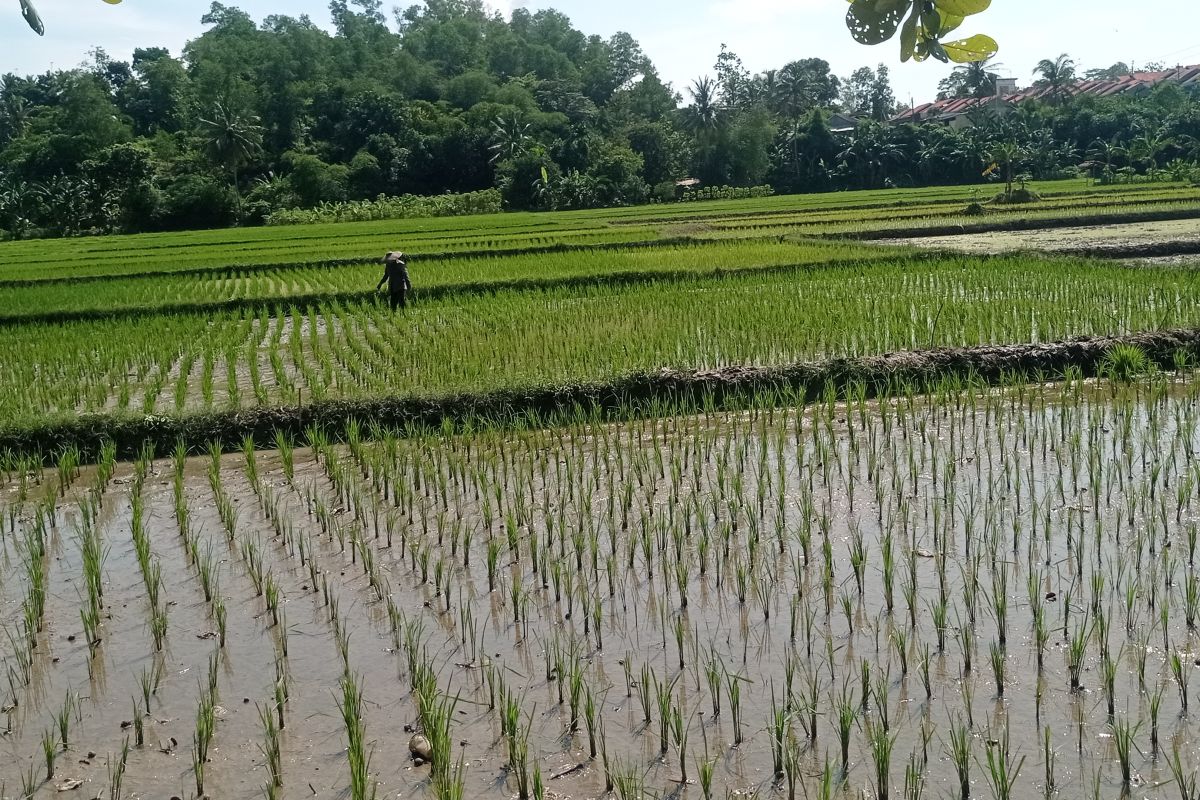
(35, 22)
(923, 26)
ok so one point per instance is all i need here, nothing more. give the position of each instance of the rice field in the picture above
(974, 589)
(980, 593)
(180, 363)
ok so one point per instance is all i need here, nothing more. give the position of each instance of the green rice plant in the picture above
(938, 611)
(629, 783)
(1184, 777)
(1181, 670)
(116, 772)
(846, 715)
(900, 643)
(270, 747)
(960, 755)
(679, 740)
(158, 628)
(358, 755)
(914, 778)
(1108, 677)
(591, 716)
(139, 725)
(29, 783)
(1076, 652)
(1155, 705)
(1003, 768)
(881, 745)
(778, 726)
(705, 768)
(1123, 363)
(1049, 784)
(733, 686)
(997, 658)
(49, 751)
(714, 669)
(203, 736)
(1123, 738)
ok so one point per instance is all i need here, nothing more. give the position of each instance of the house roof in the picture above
(944, 110)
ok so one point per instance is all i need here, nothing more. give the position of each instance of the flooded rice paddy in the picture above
(985, 593)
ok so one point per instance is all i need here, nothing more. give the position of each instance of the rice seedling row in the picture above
(175, 364)
(53, 301)
(842, 596)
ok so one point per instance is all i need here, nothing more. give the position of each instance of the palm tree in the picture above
(1057, 75)
(231, 138)
(794, 92)
(510, 138)
(979, 77)
(705, 113)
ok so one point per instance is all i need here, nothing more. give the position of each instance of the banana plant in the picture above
(35, 22)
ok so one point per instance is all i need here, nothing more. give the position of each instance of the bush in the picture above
(198, 201)
(408, 206)
(727, 193)
(1017, 196)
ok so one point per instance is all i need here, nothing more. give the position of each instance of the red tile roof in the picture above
(1136, 81)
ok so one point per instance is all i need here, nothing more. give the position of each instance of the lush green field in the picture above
(826, 214)
(168, 363)
(172, 324)
(817, 542)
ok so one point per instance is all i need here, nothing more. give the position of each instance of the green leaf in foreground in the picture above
(962, 8)
(974, 48)
(31, 16)
(875, 21)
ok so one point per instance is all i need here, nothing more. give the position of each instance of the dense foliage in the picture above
(255, 120)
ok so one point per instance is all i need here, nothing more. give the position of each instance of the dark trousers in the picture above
(397, 300)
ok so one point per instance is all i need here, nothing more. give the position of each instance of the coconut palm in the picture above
(794, 92)
(704, 114)
(1056, 75)
(231, 138)
(979, 77)
(510, 138)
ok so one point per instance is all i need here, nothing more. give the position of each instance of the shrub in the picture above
(727, 193)
(408, 206)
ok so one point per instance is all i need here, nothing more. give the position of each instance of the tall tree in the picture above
(976, 79)
(231, 139)
(704, 113)
(1056, 75)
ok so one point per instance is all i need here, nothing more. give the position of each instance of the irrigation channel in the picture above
(985, 592)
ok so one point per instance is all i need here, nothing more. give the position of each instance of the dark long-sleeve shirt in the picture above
(395, 275)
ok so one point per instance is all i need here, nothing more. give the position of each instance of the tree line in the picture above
(447, 97)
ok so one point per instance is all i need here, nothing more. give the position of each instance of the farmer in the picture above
(395, 275)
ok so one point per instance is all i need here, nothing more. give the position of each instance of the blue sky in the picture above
(683, 37)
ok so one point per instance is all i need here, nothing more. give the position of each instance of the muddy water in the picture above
(757, 519)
